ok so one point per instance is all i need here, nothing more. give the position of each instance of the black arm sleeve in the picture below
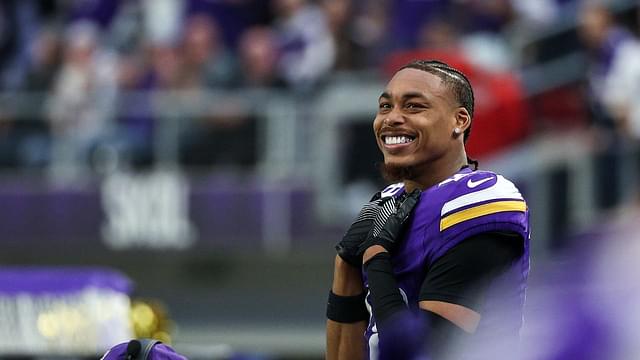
(463, 274)
(386, 299)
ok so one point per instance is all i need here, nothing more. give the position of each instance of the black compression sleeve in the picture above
(385, 295)
(463, 274)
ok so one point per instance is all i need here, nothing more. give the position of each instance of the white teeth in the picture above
(393, 140)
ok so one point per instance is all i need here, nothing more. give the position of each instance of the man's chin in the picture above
(397, 172)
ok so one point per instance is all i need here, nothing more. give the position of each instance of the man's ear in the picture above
(463, 119)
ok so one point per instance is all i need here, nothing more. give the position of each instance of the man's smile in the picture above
(394, 140)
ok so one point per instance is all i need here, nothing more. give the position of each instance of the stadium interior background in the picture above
(213, 152)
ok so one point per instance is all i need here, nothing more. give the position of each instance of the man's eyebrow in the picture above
(385, 95)
(413, 94)
(409, 95)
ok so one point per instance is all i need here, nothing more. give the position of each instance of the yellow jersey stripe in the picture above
(481, 210)
(501, 190)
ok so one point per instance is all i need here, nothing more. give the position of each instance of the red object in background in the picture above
(561, 109)
(501, 117)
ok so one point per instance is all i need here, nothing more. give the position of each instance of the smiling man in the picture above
(436, 264)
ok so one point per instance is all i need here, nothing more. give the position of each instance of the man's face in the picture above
(415, 120)
(594, 23)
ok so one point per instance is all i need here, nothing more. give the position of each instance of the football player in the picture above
(436, 263)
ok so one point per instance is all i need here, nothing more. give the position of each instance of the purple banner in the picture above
(161, 211)
(35, 280)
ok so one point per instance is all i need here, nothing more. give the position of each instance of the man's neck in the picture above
(435, 172)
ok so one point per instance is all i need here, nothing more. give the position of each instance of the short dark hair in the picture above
(457, 82)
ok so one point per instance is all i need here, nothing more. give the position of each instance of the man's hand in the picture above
(347, 248)
(389, 222)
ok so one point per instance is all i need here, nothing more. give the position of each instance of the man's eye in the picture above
(384, 106)
(414, 106)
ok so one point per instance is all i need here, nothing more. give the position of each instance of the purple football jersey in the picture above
(466, 204)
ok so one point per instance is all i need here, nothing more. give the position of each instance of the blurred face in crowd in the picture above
(257, 50)
(337, 12)
(417, 114)
(166, 63)
(437, 34)
(81, 41)
(286, 8)
(79, 51)
(594, 24)
(495, 8)
(200, 39)
(129, 71)
(45, 48)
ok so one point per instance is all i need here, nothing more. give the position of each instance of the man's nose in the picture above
(394, 117)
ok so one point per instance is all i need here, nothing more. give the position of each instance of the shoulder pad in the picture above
(478, 196)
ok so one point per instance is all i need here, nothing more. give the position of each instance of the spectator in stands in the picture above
(484, 39)
(82, 102)
(44, 60)
(131, 141)
(603, 38)
(368, 29)
(233, 17)
(162, 20)
(349, 52)
(224, 136)
(537, 13)
(206, 62)
(12, 41)
(407, 17)
(258, 56)
(32, 132)
(99, 12)
(165, 67)
(24, 139)
(307, 50)
(622, 86)
(479, 27)
(490, 16)
(149, 74)
(438, 34)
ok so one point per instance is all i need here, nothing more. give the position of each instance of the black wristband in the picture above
(347, 309)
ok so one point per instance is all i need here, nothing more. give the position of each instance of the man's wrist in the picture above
(347, 279)
(347, 309)
(372, 251)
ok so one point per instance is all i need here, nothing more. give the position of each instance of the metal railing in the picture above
(302, 138)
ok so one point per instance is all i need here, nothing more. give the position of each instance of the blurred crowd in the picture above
(86, 69)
